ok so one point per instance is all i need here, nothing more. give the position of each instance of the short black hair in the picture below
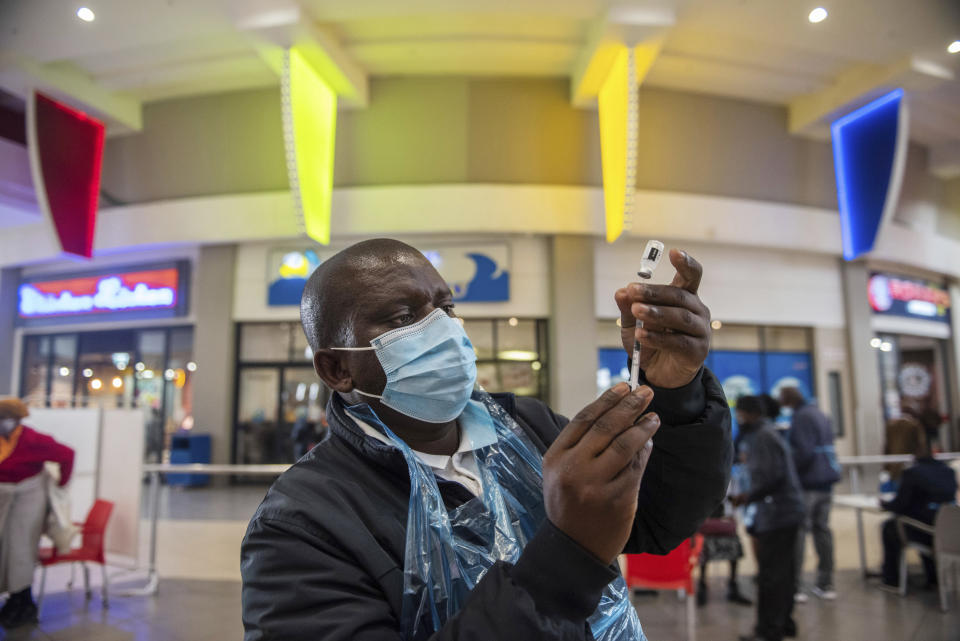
(330, 294)
(751, 405)
(771, 406)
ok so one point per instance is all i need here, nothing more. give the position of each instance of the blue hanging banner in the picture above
(869, 154)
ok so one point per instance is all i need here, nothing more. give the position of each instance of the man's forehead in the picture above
(401, 271)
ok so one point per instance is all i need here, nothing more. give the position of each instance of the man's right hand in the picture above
(592, 472)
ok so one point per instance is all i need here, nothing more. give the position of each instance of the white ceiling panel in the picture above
(762, 50)
(466, 57)
(750, 82)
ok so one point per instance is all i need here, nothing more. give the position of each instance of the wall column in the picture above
(573, 354)
(214, 346)
(9, 279)
(865, 379)
(953, 369)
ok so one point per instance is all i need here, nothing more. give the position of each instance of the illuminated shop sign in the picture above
(475, 273)
(131, 291)
(913, 298)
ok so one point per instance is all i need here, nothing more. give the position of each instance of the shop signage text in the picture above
(106, 293)
(895, 295)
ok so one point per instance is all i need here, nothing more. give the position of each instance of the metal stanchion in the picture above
(154, 470)
(153, 579)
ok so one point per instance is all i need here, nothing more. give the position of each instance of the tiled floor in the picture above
(210, 611)
(861, 613)
(199, 598)
(182, 611)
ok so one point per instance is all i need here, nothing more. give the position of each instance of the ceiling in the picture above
(760, 50)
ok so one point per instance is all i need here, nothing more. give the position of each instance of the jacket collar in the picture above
(342, 426)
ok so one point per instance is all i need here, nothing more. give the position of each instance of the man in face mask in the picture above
(435, 510)
(774, 493)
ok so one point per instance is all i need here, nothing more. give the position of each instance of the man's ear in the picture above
(329, 367)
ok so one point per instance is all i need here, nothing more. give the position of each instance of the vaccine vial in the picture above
(652, 254)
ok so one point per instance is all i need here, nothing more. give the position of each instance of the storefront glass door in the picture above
(914, 382)
(303, 398)
(149, 369)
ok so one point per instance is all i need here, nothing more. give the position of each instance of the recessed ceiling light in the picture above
(817, 15)
(954, 47)
(86, 14)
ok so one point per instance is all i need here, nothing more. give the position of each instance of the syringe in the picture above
(652, 254)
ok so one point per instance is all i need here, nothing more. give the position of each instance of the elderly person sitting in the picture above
(23, 506)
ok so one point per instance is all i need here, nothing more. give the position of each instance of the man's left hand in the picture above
(675, 337)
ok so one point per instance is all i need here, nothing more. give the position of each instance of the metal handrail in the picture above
(891, 458)
(156, 469)
(278, 468)
(217, 468)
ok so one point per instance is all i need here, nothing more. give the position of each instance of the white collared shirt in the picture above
(461, 467)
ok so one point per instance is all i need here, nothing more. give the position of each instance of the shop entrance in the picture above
(149, 369)
(280, 413)
(914, 380)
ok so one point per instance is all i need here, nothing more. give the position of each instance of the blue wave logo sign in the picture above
(869, 154)
(475, 274)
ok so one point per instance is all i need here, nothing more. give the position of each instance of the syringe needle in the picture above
(635, 365)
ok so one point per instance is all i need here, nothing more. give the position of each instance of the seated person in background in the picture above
(23, 506)
(435, 510)
(902, 437)
(778, 511)
(924, 486)
(955, 466)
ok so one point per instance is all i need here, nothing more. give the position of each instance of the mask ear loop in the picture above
(358, 349)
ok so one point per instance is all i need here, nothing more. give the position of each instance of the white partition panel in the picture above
(79, 429)
(121, 478)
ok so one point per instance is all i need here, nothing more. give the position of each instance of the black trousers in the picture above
(891, 552)
(776, 580)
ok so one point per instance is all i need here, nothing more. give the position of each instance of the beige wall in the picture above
(709, 145)
(214, 347)
(948, 223)
(573, 360)
(442, 130)
(220, 144)
(830, 355)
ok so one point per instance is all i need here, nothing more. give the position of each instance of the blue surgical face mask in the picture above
(7, 425)
(431, 368)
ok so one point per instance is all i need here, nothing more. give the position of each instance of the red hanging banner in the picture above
(66, 154)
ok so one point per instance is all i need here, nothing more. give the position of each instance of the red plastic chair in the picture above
(673, 571)
(92, 532)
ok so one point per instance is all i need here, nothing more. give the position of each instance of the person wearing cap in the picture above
(23, 506)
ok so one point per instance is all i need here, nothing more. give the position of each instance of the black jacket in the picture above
(774, 487)
(923, 487)
(811, 443)
(323, 555)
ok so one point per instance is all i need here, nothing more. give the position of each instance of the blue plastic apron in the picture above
(448, 552)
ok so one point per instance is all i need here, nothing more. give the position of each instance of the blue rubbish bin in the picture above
(189, 448)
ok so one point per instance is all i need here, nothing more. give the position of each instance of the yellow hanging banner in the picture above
(617, 102)
(310, 125)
